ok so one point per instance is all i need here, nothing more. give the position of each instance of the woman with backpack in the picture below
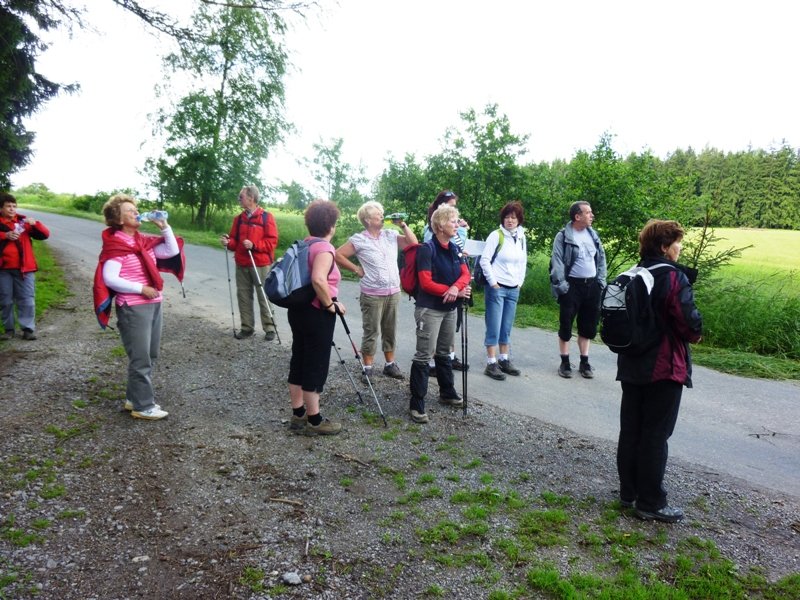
(652, 381)
(312, 325)
(443, 279)
(503, 262)
(376, 250)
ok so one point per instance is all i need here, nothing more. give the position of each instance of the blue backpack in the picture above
(289, 282)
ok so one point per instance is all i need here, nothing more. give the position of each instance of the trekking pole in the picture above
(264, 294)
(360, 362)
(346, 370)
(464, 341)
(230, 292)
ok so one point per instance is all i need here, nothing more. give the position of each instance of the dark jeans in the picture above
(647, 419)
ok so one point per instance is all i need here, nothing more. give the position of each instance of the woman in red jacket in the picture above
(652, 383)
(17, 267)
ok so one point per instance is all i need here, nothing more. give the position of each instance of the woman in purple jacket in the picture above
(652, 383)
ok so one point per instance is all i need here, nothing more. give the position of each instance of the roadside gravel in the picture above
(221, 501)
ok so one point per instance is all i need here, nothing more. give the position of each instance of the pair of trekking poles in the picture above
(277, 334)
(260, 287)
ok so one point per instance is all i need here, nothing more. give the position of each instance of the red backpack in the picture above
(408, 270)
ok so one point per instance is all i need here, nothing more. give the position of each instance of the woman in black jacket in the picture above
(652, 383)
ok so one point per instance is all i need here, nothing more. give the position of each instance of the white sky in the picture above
(390, 76)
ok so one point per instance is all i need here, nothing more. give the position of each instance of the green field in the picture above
(775, 256)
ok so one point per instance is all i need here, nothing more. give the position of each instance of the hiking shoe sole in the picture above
(454, 402)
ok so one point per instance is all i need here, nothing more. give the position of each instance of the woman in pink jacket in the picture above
(128, 272)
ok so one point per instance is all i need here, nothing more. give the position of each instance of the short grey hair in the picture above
(252, 192)
(367, 210)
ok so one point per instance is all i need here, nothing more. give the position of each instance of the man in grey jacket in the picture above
(577, 278)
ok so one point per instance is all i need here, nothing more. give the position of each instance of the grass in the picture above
(506, 539)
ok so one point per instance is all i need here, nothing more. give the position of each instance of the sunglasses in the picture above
(448, 194)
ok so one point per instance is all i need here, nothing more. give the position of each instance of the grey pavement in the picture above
(746, 428)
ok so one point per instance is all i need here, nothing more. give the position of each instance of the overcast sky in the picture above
(389, 77)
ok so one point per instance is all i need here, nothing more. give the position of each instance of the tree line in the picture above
(211, 138)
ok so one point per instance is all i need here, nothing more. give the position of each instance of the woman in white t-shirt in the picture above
(376, 250)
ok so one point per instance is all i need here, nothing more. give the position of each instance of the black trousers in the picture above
(647, 419)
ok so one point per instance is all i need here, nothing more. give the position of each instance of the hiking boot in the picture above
(298, 423)
(458, 365)
(493, 371)
(565, 370)
(269, 335)
(419, 417)
(367, 372)
(27, 334)
(327, 427)
(129, 405)
(585, 369)
(241, 335)
(393, 371)
(508, 368)
(452, 401)
(151, 414)
(667, 514)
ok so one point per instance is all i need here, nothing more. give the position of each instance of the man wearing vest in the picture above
(255, 233)
(577, 278)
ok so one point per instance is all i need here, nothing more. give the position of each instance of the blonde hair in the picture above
(442, 215)
(112, 211)
(367, 210)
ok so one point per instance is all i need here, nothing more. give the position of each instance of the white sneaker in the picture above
(151, 414)
(129, 405)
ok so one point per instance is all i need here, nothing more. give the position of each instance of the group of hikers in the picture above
(129, 271)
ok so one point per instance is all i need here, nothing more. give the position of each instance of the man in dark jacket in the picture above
(652, 382)
(17, 267)
(253, 239)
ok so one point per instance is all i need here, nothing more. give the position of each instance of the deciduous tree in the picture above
(218, 134)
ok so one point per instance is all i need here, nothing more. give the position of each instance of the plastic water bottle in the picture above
(153, 215)
(398, 216)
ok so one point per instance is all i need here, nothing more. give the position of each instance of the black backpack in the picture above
(629, 324)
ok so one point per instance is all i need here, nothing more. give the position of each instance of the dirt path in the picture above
(220, 501)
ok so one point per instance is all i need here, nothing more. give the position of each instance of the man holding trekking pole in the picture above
(253, 239)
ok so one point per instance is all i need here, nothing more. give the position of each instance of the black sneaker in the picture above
(458, 365)
(585, 369)
(508, 368)
(269, 335)
(241, 335)
(27, 334)
(667, 514)
(626, 503)
(493, 371)
(565, 370)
